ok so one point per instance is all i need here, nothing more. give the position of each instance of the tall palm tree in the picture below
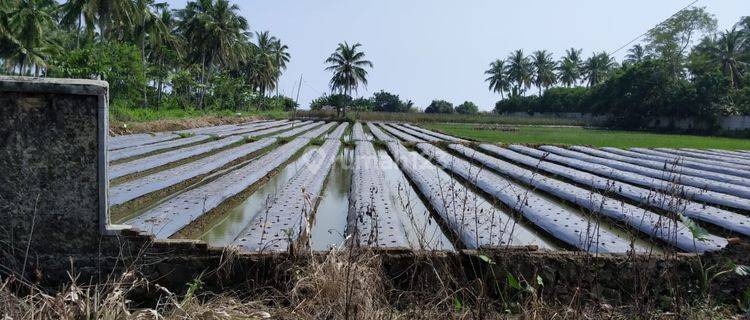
(9, 43)
(165, 50)
(729, 53)
(544, 70)
(569, 68)
(636, 54)
(215, 32)
(31, 21)
(348, 66)
(498, 77)
(270, 57)
(598, 67)
(519, 71)
(112, 17)
(574, 55)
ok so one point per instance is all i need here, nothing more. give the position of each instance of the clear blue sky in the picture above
(439, 49)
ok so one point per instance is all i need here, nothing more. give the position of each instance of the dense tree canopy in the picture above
(684, 68)
(200, 56)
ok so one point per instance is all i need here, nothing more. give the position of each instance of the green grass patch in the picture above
(317, 141)
(583, 136)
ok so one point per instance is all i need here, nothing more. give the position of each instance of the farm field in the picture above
(271, 186)
(584, 136)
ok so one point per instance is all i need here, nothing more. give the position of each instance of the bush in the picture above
(439, 106)
(742, 100)
(467, 107)
(387, 102)
(517, 104)
(118, 63)
(563, 100)
(362, 104)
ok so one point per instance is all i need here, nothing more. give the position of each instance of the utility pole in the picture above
(296, 100)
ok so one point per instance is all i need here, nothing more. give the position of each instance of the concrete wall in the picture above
(53, 175)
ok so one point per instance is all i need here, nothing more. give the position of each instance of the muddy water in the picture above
(222, 232)
(329, 225)
(422, 231)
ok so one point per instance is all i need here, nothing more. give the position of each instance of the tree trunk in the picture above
(78, 33)
(202, 80)
(143, 59)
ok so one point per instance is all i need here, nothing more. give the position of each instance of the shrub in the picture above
(517, 104)
(467, 107)
(439, 106)
(563, 100)
(387, 102)
(118, 63)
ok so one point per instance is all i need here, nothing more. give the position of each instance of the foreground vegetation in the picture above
(584, 136)
(352, 285)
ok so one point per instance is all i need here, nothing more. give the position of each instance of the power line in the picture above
(647, 31)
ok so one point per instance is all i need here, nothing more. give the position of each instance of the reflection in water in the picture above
(222, 232)
(329, 224)
(422, 230)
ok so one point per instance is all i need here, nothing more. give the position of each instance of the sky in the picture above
(439, 49)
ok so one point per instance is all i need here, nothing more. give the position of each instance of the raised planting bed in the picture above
(286, 220)
(475, 222)
(170, 216)
(665, 201)
(649, 223)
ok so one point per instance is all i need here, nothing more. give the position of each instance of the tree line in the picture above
(201, 56)
(669, 75)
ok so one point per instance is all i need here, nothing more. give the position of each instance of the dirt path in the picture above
(120, 128)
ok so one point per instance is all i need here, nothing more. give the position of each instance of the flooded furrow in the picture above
(221, 232)
(329, 225)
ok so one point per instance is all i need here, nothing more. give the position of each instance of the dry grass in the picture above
(341, 285)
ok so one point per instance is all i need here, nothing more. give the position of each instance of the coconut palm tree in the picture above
(544, 70)
(729, 52)
(9, 43)
(348, 65)
(498, 77)
(270, 57)
(215, 32)
(636, 54)
(30, 21)
(519, 71)
(597, 68)
(569, 68)
(112, 17)
(574, 55)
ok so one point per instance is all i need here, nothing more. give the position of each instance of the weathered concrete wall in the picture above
(52, 184)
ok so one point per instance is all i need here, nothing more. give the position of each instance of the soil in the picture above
(117, 128)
